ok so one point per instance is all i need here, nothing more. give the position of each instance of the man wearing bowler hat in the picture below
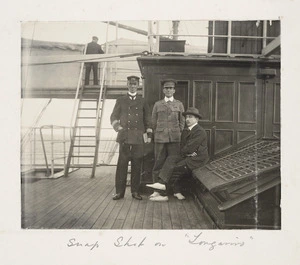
(168, 123)
(92, 48)
(131, 118)
(193, 154)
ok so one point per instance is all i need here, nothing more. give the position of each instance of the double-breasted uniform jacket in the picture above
(194, 140)
(134, 116)
(167, 121)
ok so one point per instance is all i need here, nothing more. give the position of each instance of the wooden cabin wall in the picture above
(271, 113)
(241, 28)
(236, 105)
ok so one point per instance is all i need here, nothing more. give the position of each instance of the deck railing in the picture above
(48, 145)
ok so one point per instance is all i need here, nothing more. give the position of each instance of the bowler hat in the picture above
(133, 78)
(168, 80)
(192, 111)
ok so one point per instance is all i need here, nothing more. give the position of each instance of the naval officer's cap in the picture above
(133, 78)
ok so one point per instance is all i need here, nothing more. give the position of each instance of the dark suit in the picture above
(194, 141)
(92, 48)
(134, 117)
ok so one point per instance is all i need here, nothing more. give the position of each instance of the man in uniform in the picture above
(193, 154)
(131, 118)
(92, 48)
(168, 123)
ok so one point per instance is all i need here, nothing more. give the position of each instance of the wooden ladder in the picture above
(85, 139)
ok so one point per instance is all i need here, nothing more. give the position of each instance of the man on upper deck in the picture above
(92, 48)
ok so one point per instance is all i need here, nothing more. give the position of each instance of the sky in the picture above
(81, 32)
(58, 112)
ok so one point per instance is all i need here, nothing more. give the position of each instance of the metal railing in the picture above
(155, 47)
(47, 148)
(52, 143)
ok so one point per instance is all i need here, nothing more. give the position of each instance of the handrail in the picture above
(37, 141)
(99, 103)
(214, 35)
(77, 92)
(52, 146)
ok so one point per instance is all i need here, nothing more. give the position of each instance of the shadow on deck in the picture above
(79, 202)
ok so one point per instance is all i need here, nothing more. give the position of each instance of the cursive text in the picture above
(198, 240)
(74, 243)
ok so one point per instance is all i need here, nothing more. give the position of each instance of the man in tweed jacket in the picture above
(168, 123)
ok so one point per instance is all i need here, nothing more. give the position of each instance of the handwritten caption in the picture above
(197, 239)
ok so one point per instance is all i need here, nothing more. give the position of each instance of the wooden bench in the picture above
(242, 189)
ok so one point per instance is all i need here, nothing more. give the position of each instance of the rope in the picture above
(25, 138)
(26, 75)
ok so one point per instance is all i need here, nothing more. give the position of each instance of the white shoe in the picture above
(157, 186)
(159, 198)
(154, 194)
(179, 196)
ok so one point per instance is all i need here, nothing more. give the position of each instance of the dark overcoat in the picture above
(194, 141)
(135, 118)
(94, 48)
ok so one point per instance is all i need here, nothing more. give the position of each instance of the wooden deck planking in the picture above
(94, 221)
(41, 200)
(148, 219)
(56, 216)
(166, 216)
(42, 186)
(51, 202)
(190, 214)
(120, 219)
(72, 210)
(175, 220)
(106, 210)
(84, 221)
(202, 216)
(133, 211)
(113, 214)
(182, 215)
(84, 203)
(45, 188)
(157, 215)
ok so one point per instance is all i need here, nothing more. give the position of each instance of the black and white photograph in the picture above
(137, 132)
(177, 126)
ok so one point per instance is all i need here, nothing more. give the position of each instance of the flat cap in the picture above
(133, 78)
(168, 80)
